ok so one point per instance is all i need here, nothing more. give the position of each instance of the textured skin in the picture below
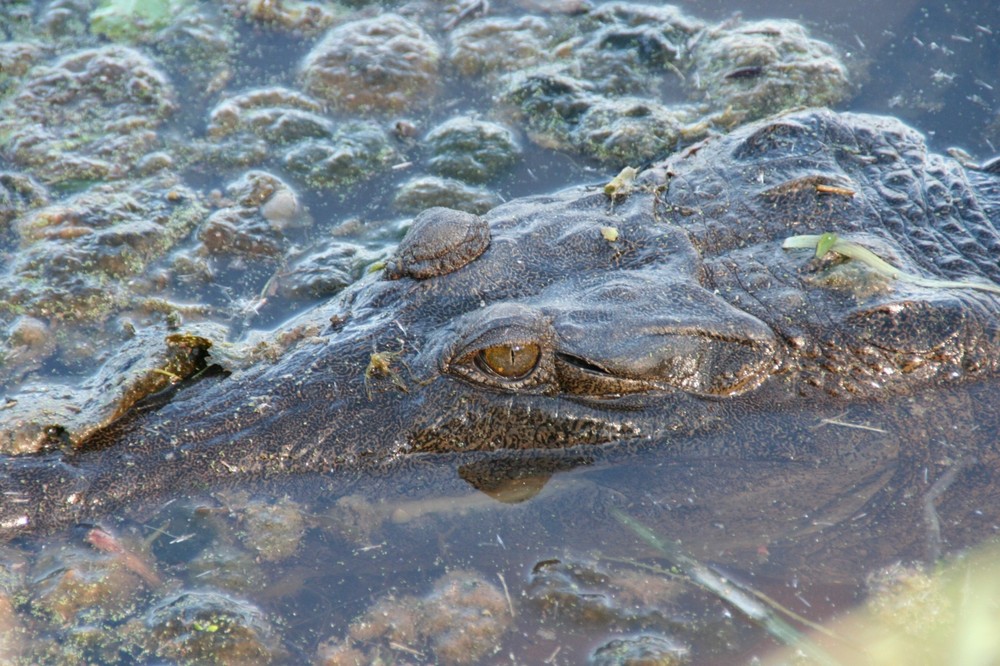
(440, 242)
(693, 317)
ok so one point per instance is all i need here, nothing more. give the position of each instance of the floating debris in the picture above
(831, 242)
(621, 185)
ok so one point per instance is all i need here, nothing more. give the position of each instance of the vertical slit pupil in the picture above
(510, 361)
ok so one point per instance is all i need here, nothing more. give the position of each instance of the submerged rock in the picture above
(426, 192)
(642, 650)
(764, 67)
(464, 618)
(548, 102)
(567, 113)
(282, 125)
(595, 594)
(17, 21)
(265, 124)
(66, 21)
(263, 206)
(471, 150)
(227, 566)
(75, 254)
(634, 49)
(355, 152)
(324, 271)
(631, 131)
(198, 51)
(16, 58)
(488, 46)
(14, 638)
(89, 116)
(196, 627)
(294, 15)
(273, 530)
(461, 621)
(279, 115)
(135, 21)
(77, 585)
(615, 90)
(18, 194)
(382, 64)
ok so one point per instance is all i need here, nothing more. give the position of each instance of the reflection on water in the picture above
(393, 567)
(832, 498)
(444, 561)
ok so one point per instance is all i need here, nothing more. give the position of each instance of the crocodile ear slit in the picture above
(440, 241)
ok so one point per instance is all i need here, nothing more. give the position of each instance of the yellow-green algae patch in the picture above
(131, 20)
(831, 242)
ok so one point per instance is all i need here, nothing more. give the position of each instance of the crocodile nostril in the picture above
(440, 241)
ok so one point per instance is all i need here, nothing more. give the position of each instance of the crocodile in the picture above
(635, 314)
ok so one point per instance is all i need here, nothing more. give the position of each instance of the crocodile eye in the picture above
(509, 361)
(505, 346)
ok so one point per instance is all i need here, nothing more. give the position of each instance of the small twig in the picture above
(106, 542)
(846, 424)
(174, 377)
(823, 188)
(938, 488)
(660, 571)
(737, 595)
(407, 649)
(506, 593)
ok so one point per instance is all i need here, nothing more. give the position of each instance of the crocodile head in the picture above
(581, 319)
(545, 333)
(588, 317)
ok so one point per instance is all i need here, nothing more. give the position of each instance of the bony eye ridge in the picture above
(514, 361)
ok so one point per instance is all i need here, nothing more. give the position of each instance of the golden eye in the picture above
(510, 361)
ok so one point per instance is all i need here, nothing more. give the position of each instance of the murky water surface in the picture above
(281, 188)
